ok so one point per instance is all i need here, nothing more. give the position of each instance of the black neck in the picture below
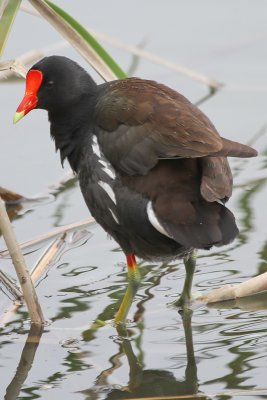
(70, 127)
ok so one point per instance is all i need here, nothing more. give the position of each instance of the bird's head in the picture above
(52, 84)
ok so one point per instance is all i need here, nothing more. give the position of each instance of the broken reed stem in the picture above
(10, 286)
(248, 288)
(52, 234)
(55, 249)
(50, 254)
(46, 259)
(23, 275)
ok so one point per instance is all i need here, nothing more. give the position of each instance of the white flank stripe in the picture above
(114, 216)
(108, 190)
(154, 220)
(107, 169)
(95, 147)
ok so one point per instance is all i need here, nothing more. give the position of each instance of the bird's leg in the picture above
(133, 285)
(190, 265)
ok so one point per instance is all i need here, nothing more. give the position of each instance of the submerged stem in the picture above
(27, 287)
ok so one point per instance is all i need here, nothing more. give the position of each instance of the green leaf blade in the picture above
(80, 39)
(90, 40)
(8, 13)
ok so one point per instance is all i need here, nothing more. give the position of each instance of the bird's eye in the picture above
(50, 84)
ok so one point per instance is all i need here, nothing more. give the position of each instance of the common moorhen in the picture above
(152, 168)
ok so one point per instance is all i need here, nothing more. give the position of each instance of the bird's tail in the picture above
(235, 149)
(203, 225)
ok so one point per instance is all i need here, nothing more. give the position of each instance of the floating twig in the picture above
(24, 278)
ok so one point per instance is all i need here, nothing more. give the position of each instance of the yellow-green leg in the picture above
(133, 285)
(190, 265)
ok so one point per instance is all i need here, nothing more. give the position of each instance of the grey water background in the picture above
(227, 41)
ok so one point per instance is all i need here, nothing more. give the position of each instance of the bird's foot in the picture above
(183, 303)
(184, 306)
(187, 304)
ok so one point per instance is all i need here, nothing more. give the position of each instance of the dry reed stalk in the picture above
(74, 37)
(41, 266)
(23, 275)
(47, 257)
(10, 286)
(250, 287)
(13, 65)
(52, 234)
(137, 51)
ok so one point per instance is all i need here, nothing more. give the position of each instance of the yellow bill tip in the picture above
(18, 116)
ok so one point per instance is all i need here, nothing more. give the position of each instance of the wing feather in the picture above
(139, 121)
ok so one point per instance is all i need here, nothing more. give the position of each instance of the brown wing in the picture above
(139, 121)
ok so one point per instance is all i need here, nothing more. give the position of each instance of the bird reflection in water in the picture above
(149, 382)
